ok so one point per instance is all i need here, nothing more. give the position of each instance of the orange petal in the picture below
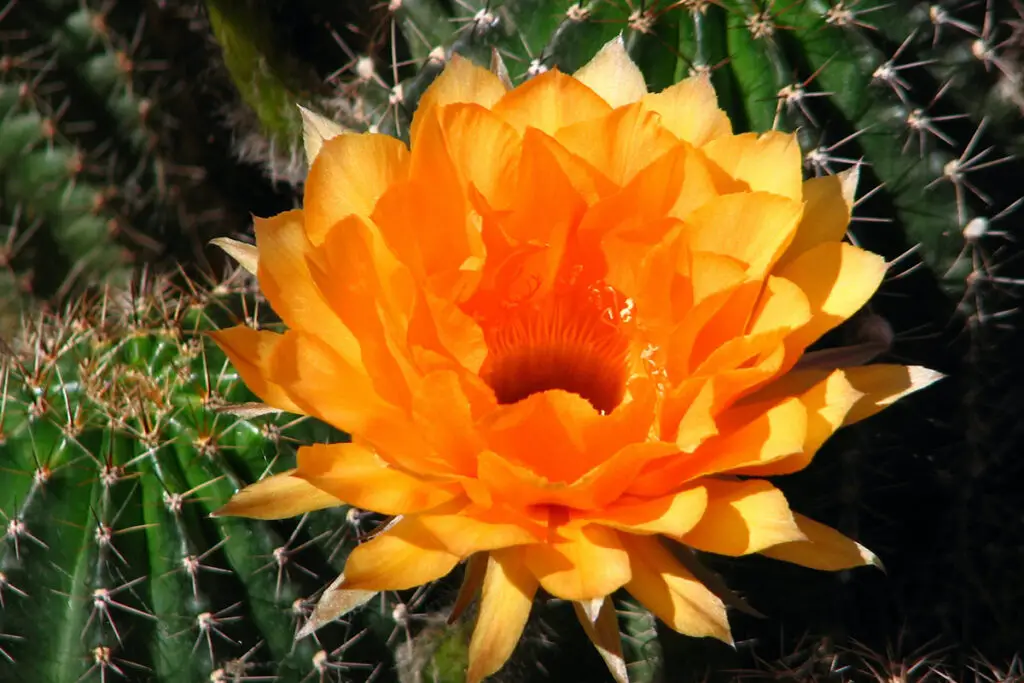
(590, 564)
(356, 475)
(603, 631)
(350, 174)
(561, 436)
(469, 128)
(753, 227)
(505, 603)
(828, 402)
(613, 75)
(251, 352)
(440, 326)
(345, 271)
(773, 435)
(589, 182)
(427, 225)
(547, 205)
(519, 486)
(404, 556)
(277, 497)
(460, 81)
(326, 386)
(548, 102)
(838, 279)
(672, 515)
(825, 549)
(444, 409)
(671, 592)
(620, 144)
(770, 162)
(285, 278)
(743, 517)
(465, 529)
(689, 110)
(826, 216)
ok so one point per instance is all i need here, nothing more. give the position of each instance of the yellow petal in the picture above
(353, 473)
(770, 162)
(778, 432)
(349, 175)
(548, 102)
(474, 529)
(315, 130)
(591, 564)
(505, 603)
(671, 592)
(404, 556)
(312, 373)
(828, 402)
(825, 549)
(461, 81)
(753, 227)
(613, 75)
(469, 128)
(672, 515)
(883, 385)
(838, 279)
(689, 110)
(620, 144)
(277, 497)
(783, 305)
(826, 215)
(603, 631)
(335, 603)
(251, 352)
(247, 255)
(743, 517)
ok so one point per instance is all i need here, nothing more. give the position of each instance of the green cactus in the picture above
(117, 443)
(97, 172)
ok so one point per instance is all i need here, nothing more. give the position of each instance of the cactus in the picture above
(97, 172)
(112, 410)
(115, 448)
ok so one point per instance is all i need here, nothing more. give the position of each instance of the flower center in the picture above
(571, 339)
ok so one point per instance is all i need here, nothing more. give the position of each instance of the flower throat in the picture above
(570, 339)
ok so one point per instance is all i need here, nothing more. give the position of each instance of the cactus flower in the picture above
(564, 327)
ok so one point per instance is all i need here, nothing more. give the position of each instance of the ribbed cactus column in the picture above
(116, 445)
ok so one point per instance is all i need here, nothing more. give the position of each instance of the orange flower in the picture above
(557, 326)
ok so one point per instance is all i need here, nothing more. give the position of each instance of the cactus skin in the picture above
(114, 451)
(105, 159)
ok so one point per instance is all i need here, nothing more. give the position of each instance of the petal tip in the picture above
(613, 74)
(247, 255)
(315, 130)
